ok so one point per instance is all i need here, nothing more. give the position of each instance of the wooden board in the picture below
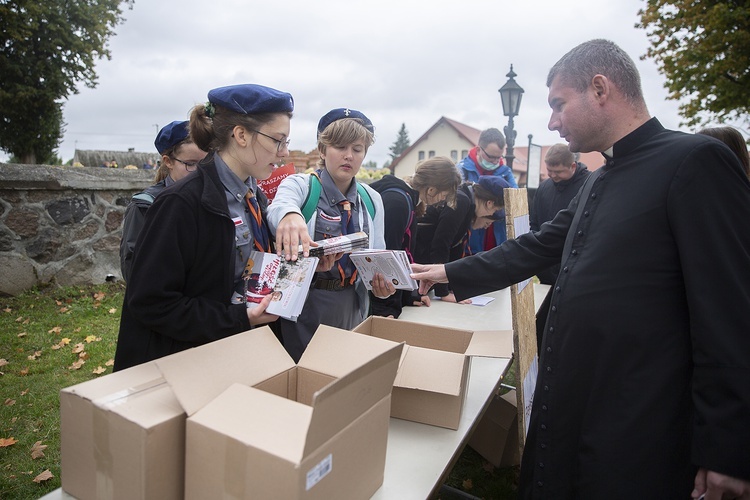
(524, 317)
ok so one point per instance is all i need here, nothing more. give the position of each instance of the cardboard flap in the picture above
(118, 385)
(198, 375)
(491, 344)
(417, 371)
(416, 334)
(337, 352)
(342, 401)
(253, 417)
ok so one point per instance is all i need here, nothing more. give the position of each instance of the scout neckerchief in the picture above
(344, 265)
(260, 231)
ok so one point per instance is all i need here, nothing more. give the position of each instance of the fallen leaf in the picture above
(91, 338)
(59, 303)
(63, 309)
(24, 372)
(22, 334)
(78, 348)
(3, 361)
(65, 340)
(487, 466)
(99, 370)
(112, 311)
(26, 321)
(24, 392)
(55, 330)
(44, 476)
(33, 357)
(5, 442)
(110, 362)
(56, 347)
(83, 355)
(76, 331)
(37, 450)
(467, 484)
(76, 365)
(99, 296)
(19, 319)
(10, 402)
(8, 310)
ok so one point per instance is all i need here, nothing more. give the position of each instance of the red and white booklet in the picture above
(286, 281)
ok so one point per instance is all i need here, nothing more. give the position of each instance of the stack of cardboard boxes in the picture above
(238, 418)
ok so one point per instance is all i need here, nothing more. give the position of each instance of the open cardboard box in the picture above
(122, 436)
(430, 386)
(496, 435)
(260, 426)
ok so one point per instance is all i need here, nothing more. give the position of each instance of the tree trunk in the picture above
(27, 158)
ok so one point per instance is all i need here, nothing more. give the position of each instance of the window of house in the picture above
(421, 156)
(464, 153)
(454, 155)
(431, 154)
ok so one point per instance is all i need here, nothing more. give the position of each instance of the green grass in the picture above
(33, 373)
(32, 323)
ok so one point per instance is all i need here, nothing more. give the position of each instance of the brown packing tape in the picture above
(235, 464)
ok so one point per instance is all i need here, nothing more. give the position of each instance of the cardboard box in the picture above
(122, 436)
(430, 386)
(496, 435)
(260, 426)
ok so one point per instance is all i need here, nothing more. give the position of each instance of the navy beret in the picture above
(251, 99)
(171, 135)
(494, 184)
(340, 113)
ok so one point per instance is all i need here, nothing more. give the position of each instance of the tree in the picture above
(703, 48)
(46, 49)
(402, 143)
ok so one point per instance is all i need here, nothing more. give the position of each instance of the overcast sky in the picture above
(405, 61)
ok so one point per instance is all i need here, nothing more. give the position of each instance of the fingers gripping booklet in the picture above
(286, 281)
(339, 244)
(392, 264)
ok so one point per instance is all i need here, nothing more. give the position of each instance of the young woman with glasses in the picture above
(198, 234)
(179, 157)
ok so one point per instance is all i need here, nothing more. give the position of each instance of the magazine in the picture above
(393, 264)
(286, 281)
(339, 244)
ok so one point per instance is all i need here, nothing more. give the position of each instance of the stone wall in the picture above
(62, 225)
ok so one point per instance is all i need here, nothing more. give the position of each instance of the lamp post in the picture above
(510, 96)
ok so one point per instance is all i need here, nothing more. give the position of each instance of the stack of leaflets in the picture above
(286, 281)
(339, 244)
(392, 264)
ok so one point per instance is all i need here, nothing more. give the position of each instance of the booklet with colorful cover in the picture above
(286, 281)
(393, 264)
(339, 244)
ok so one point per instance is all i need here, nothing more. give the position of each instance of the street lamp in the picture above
(510, 95)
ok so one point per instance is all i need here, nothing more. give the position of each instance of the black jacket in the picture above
(549, 199)
(644, 364)
(182, 278)
(398, 218)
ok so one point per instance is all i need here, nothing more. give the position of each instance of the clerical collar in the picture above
(633, 140)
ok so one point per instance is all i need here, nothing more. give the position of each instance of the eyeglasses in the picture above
(190, 166)
(493, 159)
(280, 145)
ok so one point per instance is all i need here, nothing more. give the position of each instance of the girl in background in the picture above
(434, 181)
(179, 157)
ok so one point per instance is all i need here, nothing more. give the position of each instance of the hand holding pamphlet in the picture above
(392, 264)
(286, 281)
(339, 244)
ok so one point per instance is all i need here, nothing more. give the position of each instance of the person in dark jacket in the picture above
(443, 233)
(566, 176)
(194, 245)
(179, 157)
(642, 381)
(434, 181)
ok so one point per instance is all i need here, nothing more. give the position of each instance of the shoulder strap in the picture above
(366, 199)
(144, 196)
(409, 201)
(313, 194)
(585, 190)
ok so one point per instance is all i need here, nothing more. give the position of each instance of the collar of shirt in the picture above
(332, 193)
(231, 182)
(633, 140)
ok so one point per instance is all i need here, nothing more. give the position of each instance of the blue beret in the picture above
(494, 184)
(340, 113)
(251, 99)
(171, 135)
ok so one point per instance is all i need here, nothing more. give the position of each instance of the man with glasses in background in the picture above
(487, 159)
